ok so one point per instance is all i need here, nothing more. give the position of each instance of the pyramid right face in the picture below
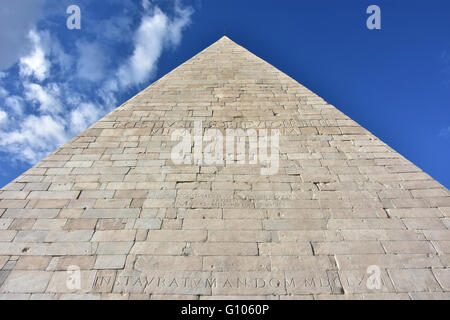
(225, 178)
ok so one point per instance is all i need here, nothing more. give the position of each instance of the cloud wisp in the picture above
(155, 33)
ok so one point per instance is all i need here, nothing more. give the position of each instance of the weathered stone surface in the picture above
(356, 281)
(158, 248)
(32, 263)
(225, 248)
(401, 261)
(116, 247)
(443, 277)
(116, 235)
(110, 262)
(249, 283)
(161, 263)
(304, 282)
(3, 275)
(239, 236)
(83, 262)
(177, 235)
(306, 263)
(104, 282)
(112, 203)
(26, 282)
(60, 280)
(236, 263)
(414, 280)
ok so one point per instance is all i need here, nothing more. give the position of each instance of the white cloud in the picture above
(36, 137)
(16, 20)
(49, 99)
(3, 92)
(83, 116)
(91, 63)
(35, 64)
(3, 117)
(114, 29)
(156, 32)
(56, 52)
(46, 97)
(15, 103)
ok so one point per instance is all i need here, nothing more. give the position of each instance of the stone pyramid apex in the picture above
(225, 179)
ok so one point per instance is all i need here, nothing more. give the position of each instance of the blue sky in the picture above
(54, 82)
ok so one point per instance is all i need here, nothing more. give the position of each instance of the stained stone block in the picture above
(49, 224)
(80, 224)
(83, 262)
(32, 263)
(148, 224)
(111, 224)
(7, 235)
(116, 235)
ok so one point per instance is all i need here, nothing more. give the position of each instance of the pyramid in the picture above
(329, 212)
